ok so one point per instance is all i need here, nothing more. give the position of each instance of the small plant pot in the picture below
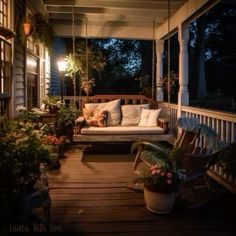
(53, 109)
(160, 203)
(27, 28)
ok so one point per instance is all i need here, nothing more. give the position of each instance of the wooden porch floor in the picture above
(92, 198)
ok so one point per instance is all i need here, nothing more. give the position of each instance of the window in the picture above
(5, 60)
(5, 66)
(3, 12)
(32, 81)
(5, 54)
(32, 73)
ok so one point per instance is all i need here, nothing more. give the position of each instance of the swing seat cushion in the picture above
(131, 114)
(122, 130)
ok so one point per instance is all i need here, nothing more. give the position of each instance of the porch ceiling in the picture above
(119, 18)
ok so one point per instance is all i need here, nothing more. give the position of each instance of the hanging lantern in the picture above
(27, 26)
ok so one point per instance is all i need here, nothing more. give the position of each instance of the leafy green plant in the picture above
(82, 66)
(51, 100)
(65, 120)
(52, 103)
(162, 178)
(174, 84)
(227, 160)
(87, 86)
(164, 174)
(21, 152)
(26, 115)
(42, 30)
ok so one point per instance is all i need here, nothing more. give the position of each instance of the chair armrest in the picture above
(79, 122)
(164, 123)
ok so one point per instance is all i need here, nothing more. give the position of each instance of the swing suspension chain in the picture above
(153, 60)
(168, 58)
(86, 45)
(168, 52)
(73, 44)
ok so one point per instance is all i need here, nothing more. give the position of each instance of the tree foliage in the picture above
(123, 64)
(213, 46)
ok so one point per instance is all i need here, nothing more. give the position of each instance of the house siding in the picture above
(19, 55)
(59, 49)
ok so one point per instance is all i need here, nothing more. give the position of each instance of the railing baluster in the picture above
(232, 138)
(227, 132)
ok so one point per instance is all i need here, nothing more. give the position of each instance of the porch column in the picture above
(159, 70)
(183, 95)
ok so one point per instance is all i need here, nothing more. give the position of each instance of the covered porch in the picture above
(89, 197)
(93, 198)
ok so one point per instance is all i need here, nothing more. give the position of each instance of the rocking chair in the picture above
(198, 146)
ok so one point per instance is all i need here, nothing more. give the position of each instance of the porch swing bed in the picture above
(127, 120)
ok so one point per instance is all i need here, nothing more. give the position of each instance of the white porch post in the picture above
(159, 70)
(183, 95)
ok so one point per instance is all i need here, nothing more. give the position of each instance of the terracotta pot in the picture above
(53, 109)
(27, 28)
(161, 203)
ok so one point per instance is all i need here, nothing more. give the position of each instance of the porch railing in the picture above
(223, 123)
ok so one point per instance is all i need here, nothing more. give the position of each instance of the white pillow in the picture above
(113, 108)
(149, 117)
(131, 114)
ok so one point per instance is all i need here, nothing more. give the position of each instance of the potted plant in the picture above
(27, 26)
(39, 26)
(55, 146)
(65, 120)
(84, 65)
(52, 104)
(227, 161)
(161, 183)
(169, 161)
(87, 86)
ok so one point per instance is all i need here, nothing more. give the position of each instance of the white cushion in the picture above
(125, 130)
(113, 108)
(149, 117)
(131, 114)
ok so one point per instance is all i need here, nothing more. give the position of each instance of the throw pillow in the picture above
(131, 114)
(149, 117)
(113, 108)
(95, 117)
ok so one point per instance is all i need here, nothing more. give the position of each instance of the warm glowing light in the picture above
(62, 64)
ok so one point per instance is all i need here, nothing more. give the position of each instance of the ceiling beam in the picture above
(115, 11)
(125, 4)
(107, 30)
(108, 17)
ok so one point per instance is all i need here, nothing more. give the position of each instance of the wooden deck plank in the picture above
(92, 198)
